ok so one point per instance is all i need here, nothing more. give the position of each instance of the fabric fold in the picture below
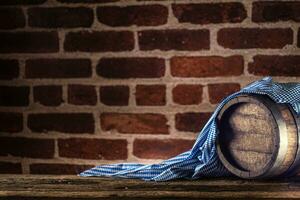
(202, 160)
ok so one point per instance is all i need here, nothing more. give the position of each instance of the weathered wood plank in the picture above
(39, 187)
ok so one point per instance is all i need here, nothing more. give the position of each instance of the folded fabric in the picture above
(202, 160)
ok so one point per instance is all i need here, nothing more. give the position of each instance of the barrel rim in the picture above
(283, 136)
(281, 144)
(295, 167)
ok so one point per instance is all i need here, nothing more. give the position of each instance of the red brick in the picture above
(27, 147)
(207, 13)
(249, 38)
(135, 123)
(187, 94)
(58, 68)
(191, 121)
(209, 66)
(143, 15)
(264, 65)
(174, 39)
(114, 95)
(87, 1)
(14, 96)
(11, 122)
(99, 41)
(275, 11)
(150, 95)
(28, 42)
(82, 95)
(131, 67)
(9, 69)
(56, 17)
(10, 168)
(57, 169)
(61, 122)
(48, 95)
(221, 90)
(11, 18)
(107, 149)
(22, 2)
(160, 149)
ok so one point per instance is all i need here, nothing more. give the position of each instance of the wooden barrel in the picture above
(258, 138)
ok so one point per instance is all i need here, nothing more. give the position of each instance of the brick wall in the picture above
(86, 82)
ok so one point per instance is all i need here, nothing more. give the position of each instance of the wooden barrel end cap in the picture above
(248, 138)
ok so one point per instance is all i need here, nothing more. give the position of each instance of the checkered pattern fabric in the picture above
(202, 160)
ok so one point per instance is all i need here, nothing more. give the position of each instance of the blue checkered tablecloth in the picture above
(202, 160)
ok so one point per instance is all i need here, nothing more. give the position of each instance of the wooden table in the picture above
(44, 187)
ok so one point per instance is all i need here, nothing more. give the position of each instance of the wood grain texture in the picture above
(248, 135)
(72, 187)
(258, 138)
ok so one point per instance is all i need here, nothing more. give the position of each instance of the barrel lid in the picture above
(248, 141)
